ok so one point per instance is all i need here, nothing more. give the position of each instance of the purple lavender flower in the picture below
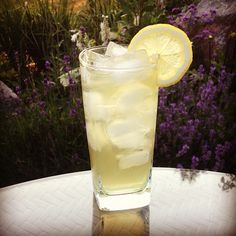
(78, 103)
(26, 81)
(171, 19)
(190, 114)
(48, 84)
(184, 149)
(205, 14)
(72, 112)
(29, 100)
(35, 93)
(41, 105)
(67, 63)
(220, 150)
(164, 127)
(71, 81)
(82, 30)
(192, 6)
(18, 90)
(207, 155)
(18, 111)
(47, 65)
(66, 58)
(185, 18)
(195, 162)
(201, 70)
(17, 59)
(212, 134)
(175, 10)
(124, 31)
(212, 70)
(187, 98)
(179, 166)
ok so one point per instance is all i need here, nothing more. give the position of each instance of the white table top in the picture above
(64, 205)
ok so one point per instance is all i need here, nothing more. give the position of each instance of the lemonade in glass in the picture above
(120, 93)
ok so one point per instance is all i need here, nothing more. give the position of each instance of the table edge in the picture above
(86, 172)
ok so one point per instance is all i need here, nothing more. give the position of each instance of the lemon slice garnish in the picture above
(168, 47)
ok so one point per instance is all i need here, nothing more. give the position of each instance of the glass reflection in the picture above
(128, 222)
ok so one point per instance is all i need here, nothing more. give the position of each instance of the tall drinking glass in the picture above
(120, 103)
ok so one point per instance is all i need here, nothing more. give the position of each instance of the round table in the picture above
(183, 202)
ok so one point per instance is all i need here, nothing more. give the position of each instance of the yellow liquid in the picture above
(132, 222)
(120, 122)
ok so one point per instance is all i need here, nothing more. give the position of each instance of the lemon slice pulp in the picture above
(168, 47)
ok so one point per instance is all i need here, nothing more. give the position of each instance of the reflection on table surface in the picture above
(183, 203)
(128, 222)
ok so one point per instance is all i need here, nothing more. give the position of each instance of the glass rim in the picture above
(106, 68)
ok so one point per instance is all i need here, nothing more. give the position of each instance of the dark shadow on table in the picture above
(190, 175)
(227, 181)
(127, 222)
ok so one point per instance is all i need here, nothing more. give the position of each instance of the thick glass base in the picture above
(124, 201)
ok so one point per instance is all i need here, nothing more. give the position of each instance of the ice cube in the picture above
(150, 105)
(131, 97)
(149, 112)
(94, 106)
(128, 133)
(95, 79)
(132, 66)
(137, 158)
(131, 60)
(85, 77)
(114, 50)
(96, 59)
(96, 135)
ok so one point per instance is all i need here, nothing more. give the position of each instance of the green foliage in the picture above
(137, 14)
(43, 134)
(148, 12)
(6, 70)
(38, 30)
(131, 15)
(91, 14)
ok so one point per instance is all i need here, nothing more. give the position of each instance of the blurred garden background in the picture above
(42, 127)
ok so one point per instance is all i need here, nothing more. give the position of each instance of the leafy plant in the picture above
(44, 134)
(90, 16)
(38, 31)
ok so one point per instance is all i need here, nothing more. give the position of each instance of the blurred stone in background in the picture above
(223, 28)
(8, 99)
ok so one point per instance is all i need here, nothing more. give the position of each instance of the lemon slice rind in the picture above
(170, 46)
